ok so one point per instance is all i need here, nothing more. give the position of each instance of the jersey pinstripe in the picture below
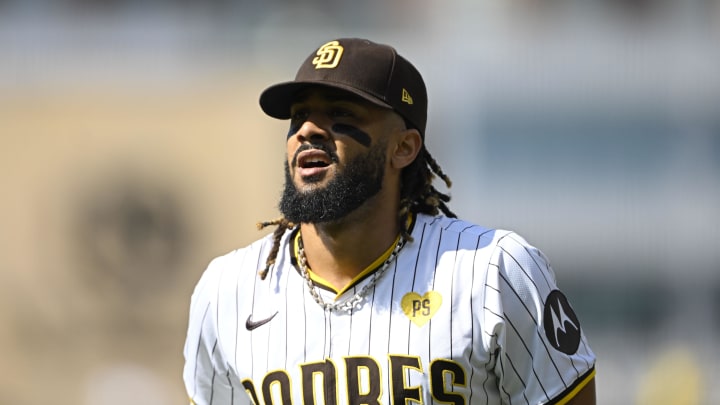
(464, 315)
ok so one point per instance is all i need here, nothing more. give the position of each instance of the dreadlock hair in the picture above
(417, 195)
(282, 225)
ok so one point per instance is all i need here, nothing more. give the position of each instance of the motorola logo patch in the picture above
(562, 327)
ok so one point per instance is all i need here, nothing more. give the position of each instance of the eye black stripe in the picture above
(358, 135)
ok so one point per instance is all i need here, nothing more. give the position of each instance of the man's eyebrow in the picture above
(299, 97)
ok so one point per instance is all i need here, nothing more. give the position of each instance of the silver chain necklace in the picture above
(357, 299)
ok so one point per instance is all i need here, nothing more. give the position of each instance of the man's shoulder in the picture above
(239, 267)
(249, 253)
(241, 262)
(442, 223)
(460, 234)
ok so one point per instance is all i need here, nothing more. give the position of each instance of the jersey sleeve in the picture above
(207, 377)
(542, 354)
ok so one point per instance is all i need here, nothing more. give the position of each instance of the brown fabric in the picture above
(372, 71)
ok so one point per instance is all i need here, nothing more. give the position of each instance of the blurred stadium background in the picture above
(133, 151)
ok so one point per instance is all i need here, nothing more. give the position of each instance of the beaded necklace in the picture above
(357, 299)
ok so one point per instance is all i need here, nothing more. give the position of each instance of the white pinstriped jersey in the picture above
(464, 315)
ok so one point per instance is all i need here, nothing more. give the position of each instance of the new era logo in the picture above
(406, 98)
(328, 56)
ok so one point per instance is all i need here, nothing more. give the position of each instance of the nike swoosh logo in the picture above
(250, 324)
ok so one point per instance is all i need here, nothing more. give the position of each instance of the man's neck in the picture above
(339, 251)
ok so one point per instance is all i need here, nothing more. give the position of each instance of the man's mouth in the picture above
(312, 162)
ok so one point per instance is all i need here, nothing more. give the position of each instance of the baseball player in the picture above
(370, 290)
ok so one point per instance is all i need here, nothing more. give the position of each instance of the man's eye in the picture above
(341, 113)
(299, 116)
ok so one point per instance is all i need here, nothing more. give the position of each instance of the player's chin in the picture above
(311, 182)
(312, 176)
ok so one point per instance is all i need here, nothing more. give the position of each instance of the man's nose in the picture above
(313, 129)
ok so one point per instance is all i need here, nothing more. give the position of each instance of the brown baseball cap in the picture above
(372, 71)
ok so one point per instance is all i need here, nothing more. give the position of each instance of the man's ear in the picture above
(407, 146)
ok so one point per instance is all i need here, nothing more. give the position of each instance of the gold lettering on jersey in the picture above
(362, 382)
(276, 388)
(250, 390)
(319, 377)
(406, 97)
(401, 367)
(446, 376)
(421, 308)
(328, 56)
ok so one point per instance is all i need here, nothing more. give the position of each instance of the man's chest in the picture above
(405, 341)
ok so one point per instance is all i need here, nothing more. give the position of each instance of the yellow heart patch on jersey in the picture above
(421, 308)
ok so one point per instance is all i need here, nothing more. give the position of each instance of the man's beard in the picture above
(360, 179)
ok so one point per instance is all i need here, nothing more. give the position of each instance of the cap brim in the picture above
(276, 100)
